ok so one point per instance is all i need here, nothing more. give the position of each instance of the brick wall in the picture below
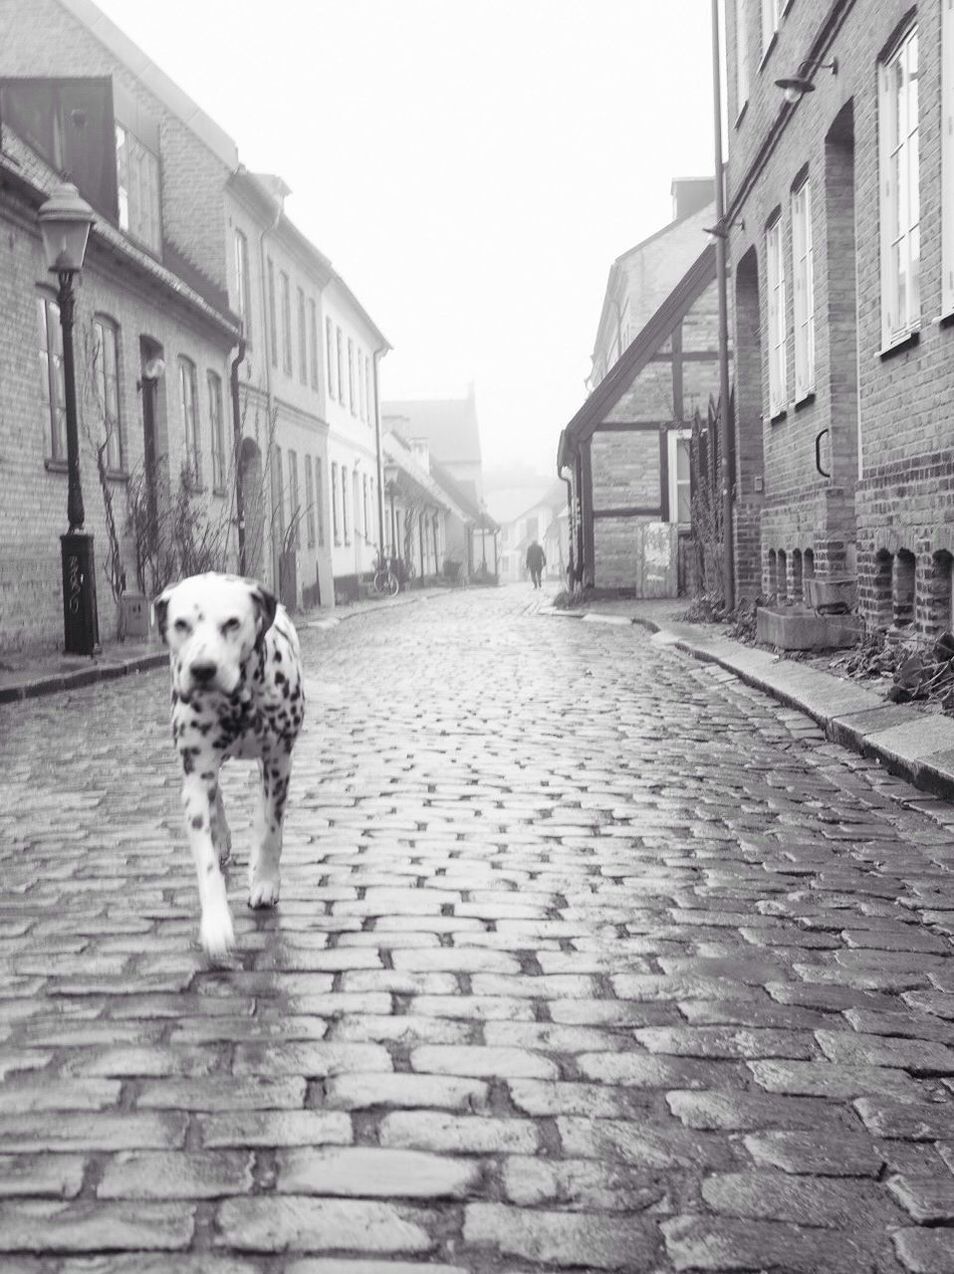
(889, 449)
(33, 504)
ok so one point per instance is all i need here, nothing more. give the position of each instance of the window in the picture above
(803, 290)
(243, 299)
(137, 185)
(900, 200)
(313, 343)
(285, 288)
(339, 363)
(335, 525)
(741, 55)
(770, 15)
(309, 502)
(775, 266)
(302, 339)
(679, 482)
(294, 503)
(330, 356)
(362, 387)
(351, 393)
(272, 320)
(364, 485)
(52, 392)
(189, 403)
(319, 502)
(369, 391)
(344, 505)
(218, 432)
(106, 388)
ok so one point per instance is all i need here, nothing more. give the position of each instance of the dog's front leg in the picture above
(221, 835)
(264, 876)
(215, 929)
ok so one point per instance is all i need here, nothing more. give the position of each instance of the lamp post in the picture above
(65, 221)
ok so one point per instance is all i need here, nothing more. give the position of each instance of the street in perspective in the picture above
(588, 956)
(476, 637)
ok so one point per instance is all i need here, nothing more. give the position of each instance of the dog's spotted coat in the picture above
(237, 691)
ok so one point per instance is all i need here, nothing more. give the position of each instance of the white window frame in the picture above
(803, 290)
(771, 15)
(777, 334)
(332, 361)
(898, 142)
(242, 285)
(741, 56)
(674, 438)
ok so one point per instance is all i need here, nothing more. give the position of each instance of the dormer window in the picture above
(137, 173)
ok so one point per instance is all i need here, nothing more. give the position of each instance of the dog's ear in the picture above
(161, 609)
(265, 607)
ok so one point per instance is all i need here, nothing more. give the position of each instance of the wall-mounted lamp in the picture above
(795, 88)
(152, 370)
(721, 229)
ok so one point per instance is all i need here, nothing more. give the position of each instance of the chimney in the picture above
(691, 194)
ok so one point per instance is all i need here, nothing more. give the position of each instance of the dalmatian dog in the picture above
(237, 691)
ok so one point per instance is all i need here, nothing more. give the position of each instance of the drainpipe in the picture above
(728, 561)
(569, 510)
(269, 338)
(378, 455)
(237, 432)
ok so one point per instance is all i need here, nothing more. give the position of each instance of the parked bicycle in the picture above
(386, 581)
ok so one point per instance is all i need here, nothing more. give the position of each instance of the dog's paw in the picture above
(217, 935)
(263, 893)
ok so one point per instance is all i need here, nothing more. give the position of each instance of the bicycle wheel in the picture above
(393, 584)
(381, 581)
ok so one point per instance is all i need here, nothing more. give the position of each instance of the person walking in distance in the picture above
(536, 561)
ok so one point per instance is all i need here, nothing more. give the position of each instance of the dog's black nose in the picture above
(203, 673)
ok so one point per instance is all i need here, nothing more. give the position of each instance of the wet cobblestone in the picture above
(589, 957)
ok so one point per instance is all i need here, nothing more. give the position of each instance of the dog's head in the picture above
(211, 623)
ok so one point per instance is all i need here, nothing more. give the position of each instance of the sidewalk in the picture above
(911, 741)
(29, 674)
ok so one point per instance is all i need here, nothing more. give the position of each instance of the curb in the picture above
(912, 744)
(38, 686)
(35, 687)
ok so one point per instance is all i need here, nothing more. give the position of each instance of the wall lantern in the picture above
(794, 89)
(65, 221)
(721, 229)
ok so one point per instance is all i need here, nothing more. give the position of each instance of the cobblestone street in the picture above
(588, 957)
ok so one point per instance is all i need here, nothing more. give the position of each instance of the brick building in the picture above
(450, 428)
(209, 311)
(840, 214)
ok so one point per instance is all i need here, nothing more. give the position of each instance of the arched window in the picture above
(189, 405)
(106, 388)
(52, 392)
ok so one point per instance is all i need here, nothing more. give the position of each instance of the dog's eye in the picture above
(231, 625)
(181, 625)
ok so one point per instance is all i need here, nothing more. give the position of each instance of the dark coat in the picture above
(536, 559)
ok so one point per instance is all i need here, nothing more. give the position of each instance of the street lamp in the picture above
(65, 221)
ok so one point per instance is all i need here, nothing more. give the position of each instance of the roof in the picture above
(149, 74)
(689, 288)
(463, 499)
(449, 426)
(23, 170)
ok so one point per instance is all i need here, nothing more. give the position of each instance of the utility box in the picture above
(137, 615)
(657, 559)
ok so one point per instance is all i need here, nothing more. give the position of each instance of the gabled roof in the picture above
(608, 392)
(448, 424)
(463, 499)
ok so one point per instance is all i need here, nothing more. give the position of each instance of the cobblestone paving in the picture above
(588, 958)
